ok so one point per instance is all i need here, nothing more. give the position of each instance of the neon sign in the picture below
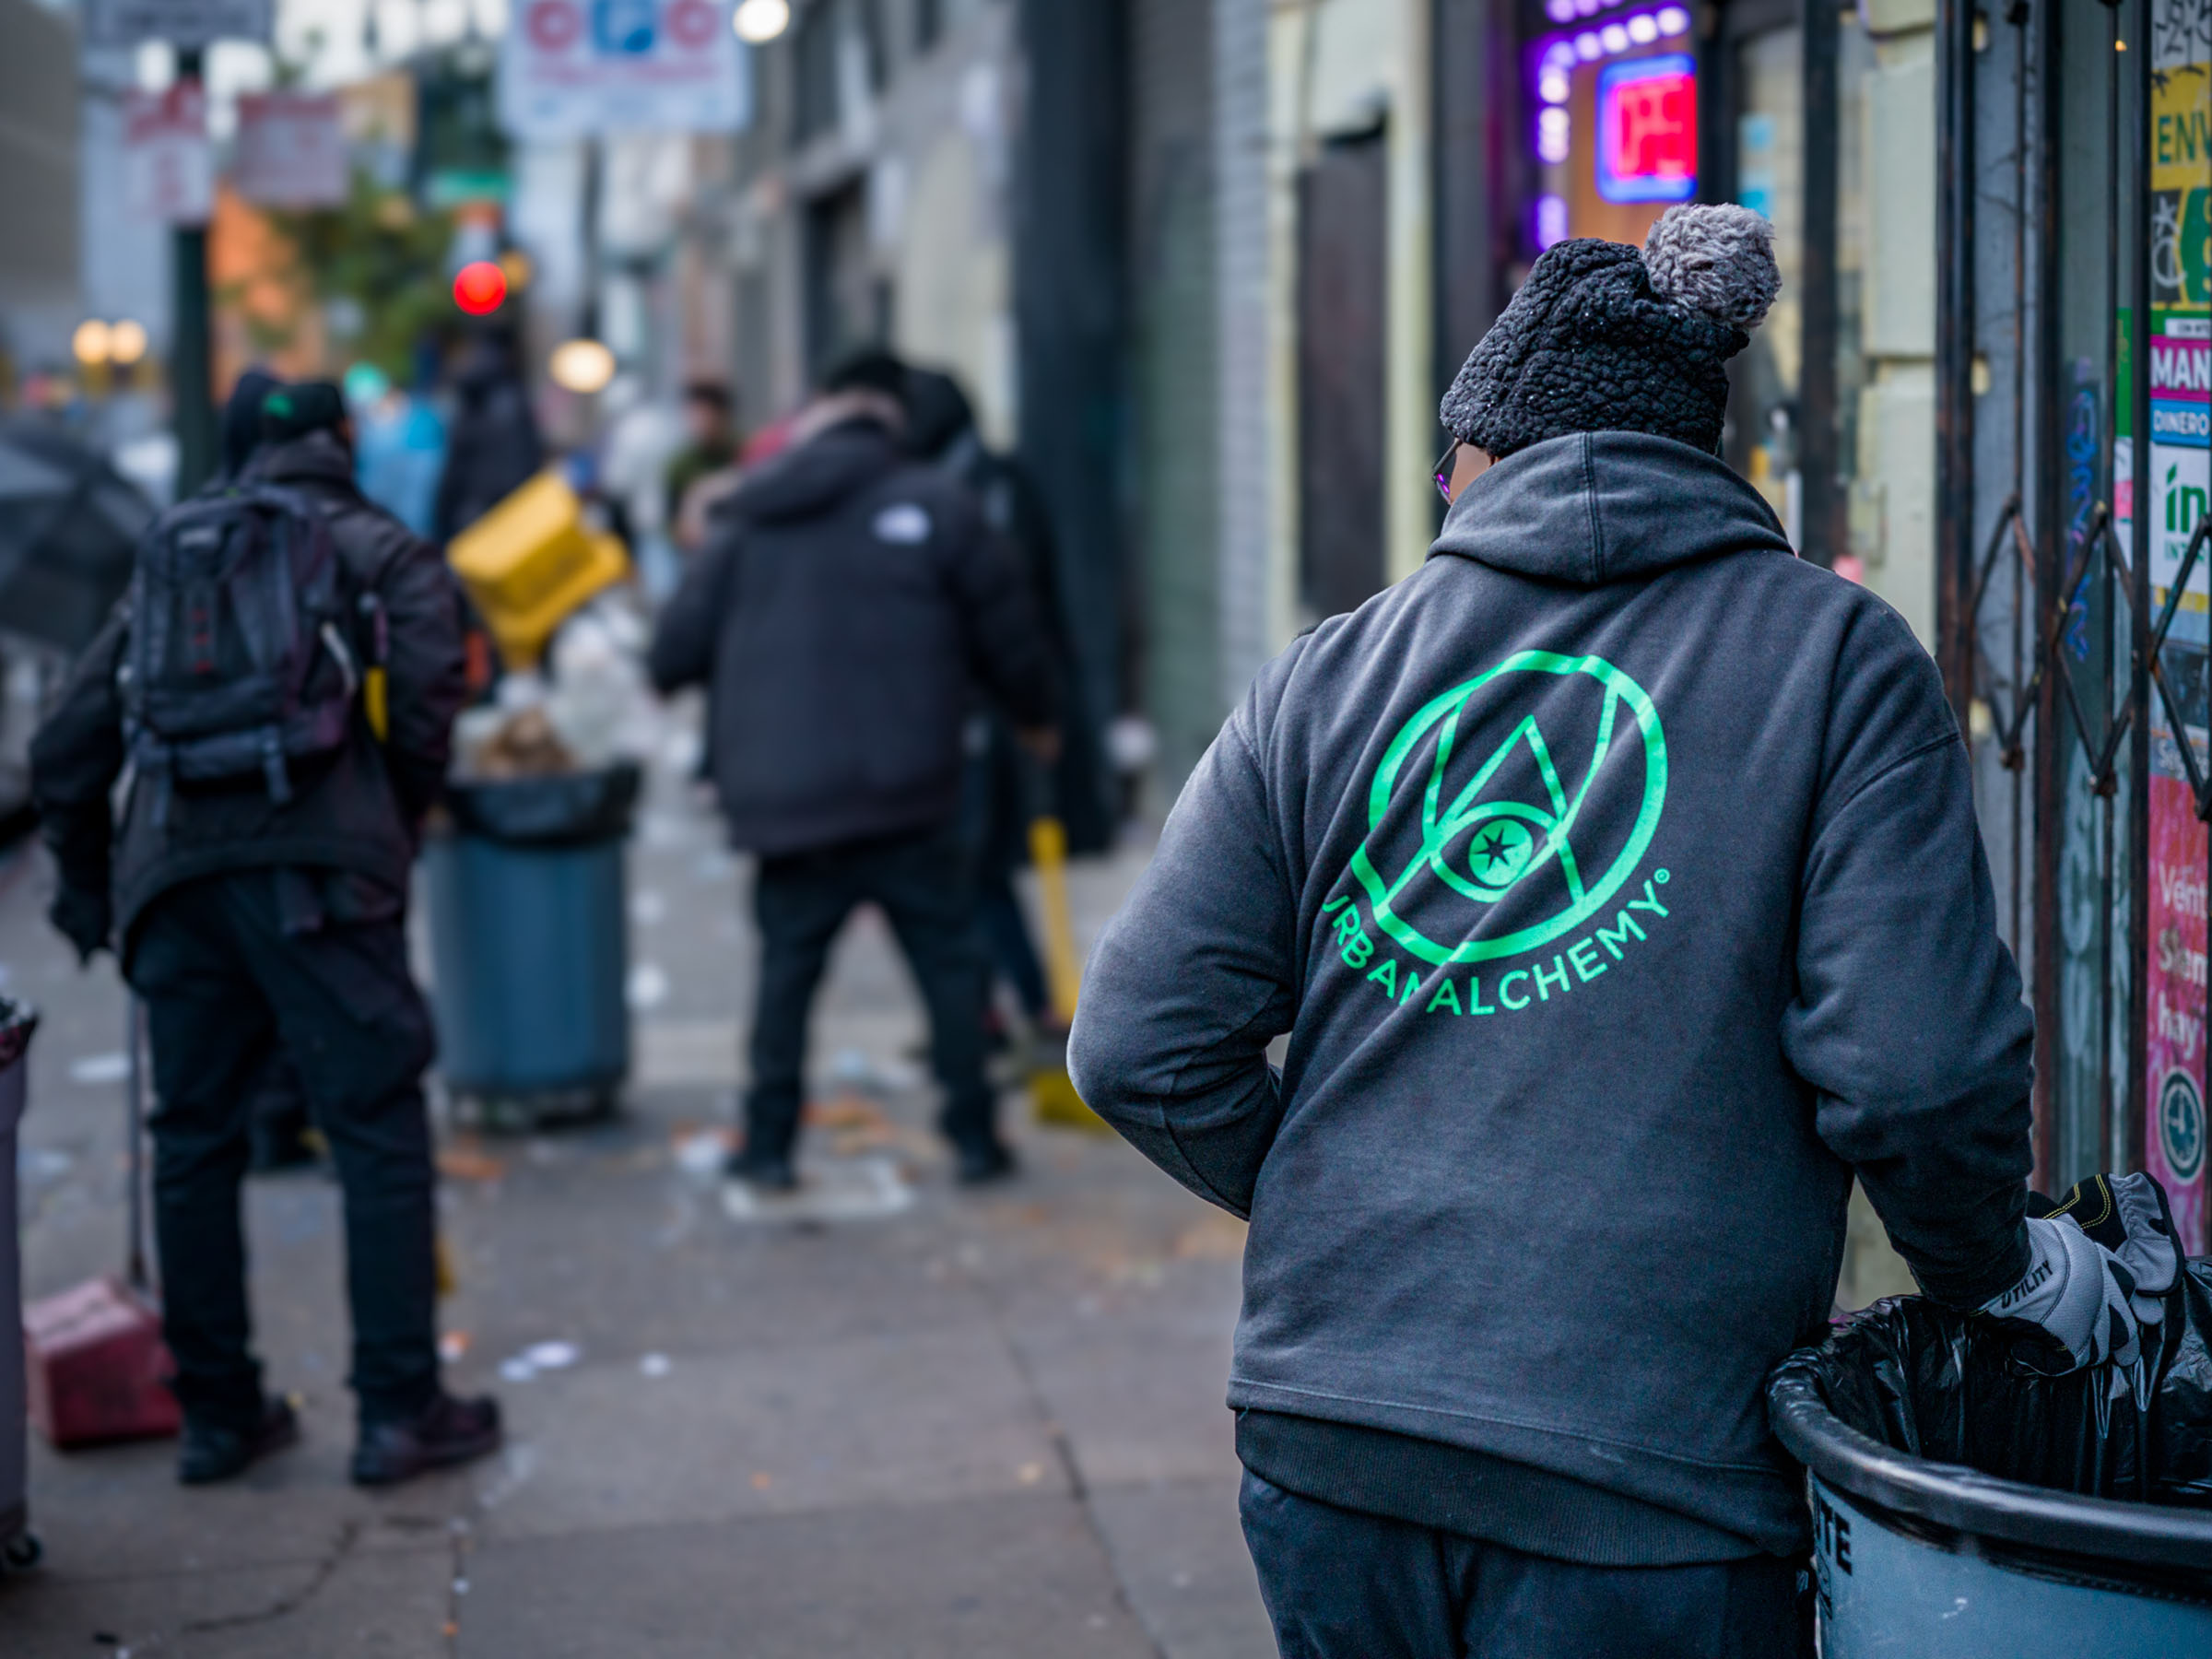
(1647, 129)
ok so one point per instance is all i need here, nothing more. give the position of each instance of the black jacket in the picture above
(847, 599)
(359, 812)
(1617, 880)
(492, 446)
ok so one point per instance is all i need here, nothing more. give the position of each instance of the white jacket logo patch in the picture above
(904, 525)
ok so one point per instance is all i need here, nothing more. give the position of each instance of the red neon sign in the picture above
(1647, 124)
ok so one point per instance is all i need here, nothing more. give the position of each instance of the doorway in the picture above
(1342, 308)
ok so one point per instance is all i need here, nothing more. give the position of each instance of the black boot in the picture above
(448, 1430)
(213, 1452)
(764, 1171)
(983, 1161)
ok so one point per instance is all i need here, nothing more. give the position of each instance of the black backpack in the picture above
(241, 658)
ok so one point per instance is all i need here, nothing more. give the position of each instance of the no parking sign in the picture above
(570, 68)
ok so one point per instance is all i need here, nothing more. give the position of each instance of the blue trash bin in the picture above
(529, 944)
(1917, 1553)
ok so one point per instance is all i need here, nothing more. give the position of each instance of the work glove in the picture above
(2130, 1216)
(83, 917)
(2077, 1295)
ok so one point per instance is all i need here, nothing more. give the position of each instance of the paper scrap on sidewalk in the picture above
(648, 986)
(100, 1068)
(703, 1151)
(464, 1160)
(855, 1189)
(655, 1365)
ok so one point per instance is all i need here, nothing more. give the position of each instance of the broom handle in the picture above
(133, 1047)
(1047, 853)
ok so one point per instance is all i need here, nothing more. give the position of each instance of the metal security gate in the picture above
(2075, 333)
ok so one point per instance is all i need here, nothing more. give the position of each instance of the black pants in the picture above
(232, 967)
(801, 902)
(1006, 936)
(1342, 1585)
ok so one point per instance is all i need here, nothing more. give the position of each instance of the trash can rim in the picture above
(1962, 1500)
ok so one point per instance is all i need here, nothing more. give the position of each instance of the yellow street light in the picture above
(127, 342)
(93, 342)
(759, 21)
(582, 366)
(519, 269)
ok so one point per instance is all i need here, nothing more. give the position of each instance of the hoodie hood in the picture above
(823, 471)
(320, 456)
(1592, 508)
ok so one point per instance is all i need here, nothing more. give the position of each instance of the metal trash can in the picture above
(1919, 1551)
(18, 1544)
(529, 945)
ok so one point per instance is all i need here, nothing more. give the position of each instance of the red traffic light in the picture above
(480, 287)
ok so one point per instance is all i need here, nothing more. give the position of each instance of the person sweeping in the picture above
(1616, 879)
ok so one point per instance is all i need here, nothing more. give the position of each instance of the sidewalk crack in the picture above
(349, 1535)
(1064, 1448)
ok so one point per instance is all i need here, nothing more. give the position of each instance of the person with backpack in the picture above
(281, 682)
(1616, 879)
(847, 599)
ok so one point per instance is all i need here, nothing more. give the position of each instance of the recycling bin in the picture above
(529, 945)
(19, 1544)
(1963, 1509)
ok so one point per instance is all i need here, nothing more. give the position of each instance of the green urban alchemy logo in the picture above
(1485, 841)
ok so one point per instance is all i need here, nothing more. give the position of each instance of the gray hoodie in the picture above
(1616, 880)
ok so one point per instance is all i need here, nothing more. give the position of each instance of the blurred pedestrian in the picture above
(710, 446)
(399, 446)
(847, 595)
(1005, 786)
(285, 741)
(492, 443)
(1616, 879)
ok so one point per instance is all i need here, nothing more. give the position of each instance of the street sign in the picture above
(168, 165)
(291, 151)
(572, 68)
(179, 22)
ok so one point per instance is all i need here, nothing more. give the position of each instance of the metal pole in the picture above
(191, 353)
(2127, 1150)
(2051, 558)
(1824, 532)
(1953, 351)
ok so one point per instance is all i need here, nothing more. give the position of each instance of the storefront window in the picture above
(1614, 128)
(1770, 175)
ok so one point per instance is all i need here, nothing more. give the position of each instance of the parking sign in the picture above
(570, 68)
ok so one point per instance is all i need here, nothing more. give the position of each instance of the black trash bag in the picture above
(1936, 1384)
(566, 809)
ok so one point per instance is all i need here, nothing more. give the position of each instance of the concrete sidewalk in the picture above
(891, 1419)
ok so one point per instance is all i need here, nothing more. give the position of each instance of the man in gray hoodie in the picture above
(1616, 879)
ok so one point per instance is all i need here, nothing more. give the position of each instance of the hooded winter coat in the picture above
(848, 599)
(1616, 881)
(357, 810)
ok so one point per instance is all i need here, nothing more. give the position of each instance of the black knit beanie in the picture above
(293, 411)
(1602, 338)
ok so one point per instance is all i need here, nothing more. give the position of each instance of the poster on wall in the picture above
(290, 150)
(2176, 351)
